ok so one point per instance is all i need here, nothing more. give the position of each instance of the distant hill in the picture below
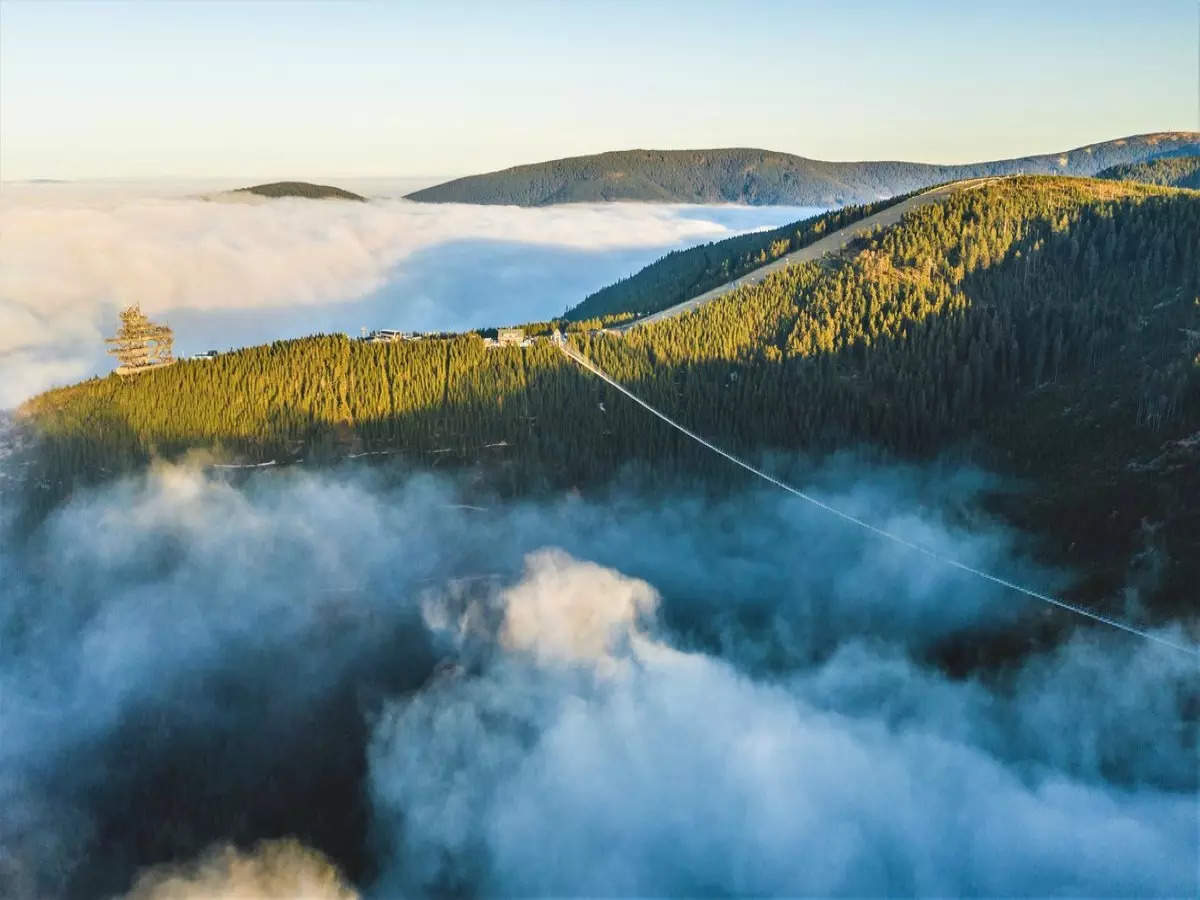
(1168, 171)
(764, 177)
(300, 189)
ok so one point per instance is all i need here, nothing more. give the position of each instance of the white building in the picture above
(390, 336)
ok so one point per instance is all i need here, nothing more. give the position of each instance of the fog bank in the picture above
(226, 272)
(652, 694)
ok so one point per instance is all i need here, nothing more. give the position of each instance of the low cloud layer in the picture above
(227, 272)
(625, 767)
(654, 695)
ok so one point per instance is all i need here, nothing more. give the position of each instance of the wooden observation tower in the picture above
(140, 344)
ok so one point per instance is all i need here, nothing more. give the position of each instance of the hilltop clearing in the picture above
(765, 177)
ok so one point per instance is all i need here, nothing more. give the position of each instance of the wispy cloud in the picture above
(274, 870)
(606, 762)
(653, 695)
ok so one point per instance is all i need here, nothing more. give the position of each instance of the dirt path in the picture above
(814, 251)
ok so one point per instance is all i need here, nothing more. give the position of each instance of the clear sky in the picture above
(308, 90)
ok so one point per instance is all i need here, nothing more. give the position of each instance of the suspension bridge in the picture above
(579, 359)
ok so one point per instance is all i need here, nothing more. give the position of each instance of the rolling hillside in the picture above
(764, 177)
(1169, 171)
(1046, 328)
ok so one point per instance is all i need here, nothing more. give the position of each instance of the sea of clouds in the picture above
(368, 683)
(229, 272)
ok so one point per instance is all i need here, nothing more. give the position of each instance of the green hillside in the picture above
(1168, 171)
(683, 274)
(1047, 328)
(764, 177)
(300, 189)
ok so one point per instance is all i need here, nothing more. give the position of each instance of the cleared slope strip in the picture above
(831, 243)
(689, 272)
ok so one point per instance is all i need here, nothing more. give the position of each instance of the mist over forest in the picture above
(561, 695)
(599, 450)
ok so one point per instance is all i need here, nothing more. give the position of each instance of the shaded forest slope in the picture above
(1047, 328)
(764, 177)
(1169, 171)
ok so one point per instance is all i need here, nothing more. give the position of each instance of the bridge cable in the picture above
(1192, 650)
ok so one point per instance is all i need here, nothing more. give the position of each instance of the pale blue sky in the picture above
(308, 90)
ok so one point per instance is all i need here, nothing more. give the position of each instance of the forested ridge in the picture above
(683, 274)
(1045, 327)
(765, 177)
(1169, 171)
